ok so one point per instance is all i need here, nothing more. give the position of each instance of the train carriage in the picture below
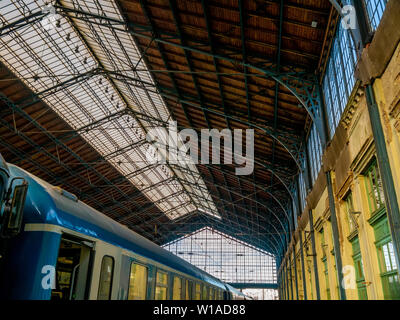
(67, 250)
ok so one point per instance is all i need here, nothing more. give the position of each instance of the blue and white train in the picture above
(54, 246)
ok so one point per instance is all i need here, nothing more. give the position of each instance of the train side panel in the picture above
(27, 274)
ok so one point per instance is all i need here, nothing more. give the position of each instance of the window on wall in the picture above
(323, 245)
(339, 81)
(359, 269)
(389, 275)
(375, 9)
(225, 257)
(106, 275)
(326, 275)
(386, 257)
(314, 150)
(376, 199)
(302, 190)
(161, 286)
(349, 212)
(137, 282)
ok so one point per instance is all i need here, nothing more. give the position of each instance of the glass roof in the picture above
(59, 58)
(225, 257)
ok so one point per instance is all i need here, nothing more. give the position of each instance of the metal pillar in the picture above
(314, 254)
(392, 206)
(290, 278)
(295, 272)
(302, 265)
(335, 232)
(287, 281)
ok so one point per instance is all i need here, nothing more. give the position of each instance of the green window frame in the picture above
(328, 290)
(373, 184)
(352, 223)
(323, 245)
(389, 275)
(386, 259)
(359, 269)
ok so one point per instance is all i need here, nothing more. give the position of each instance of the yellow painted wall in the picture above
(357, 151)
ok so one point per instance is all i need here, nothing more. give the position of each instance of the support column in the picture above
(287, 281)
(290, 278)
(314, 254)
(302, 265)
(335, 231)
(295, 272)
(392, 206)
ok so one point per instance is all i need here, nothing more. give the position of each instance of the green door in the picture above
(359, 268)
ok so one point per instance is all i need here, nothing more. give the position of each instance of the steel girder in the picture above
(55, 178)
(79, 78)
(302, 85)
(288, 139)
(195, 225)
(241, 195)
(262, 241)
(51, 156)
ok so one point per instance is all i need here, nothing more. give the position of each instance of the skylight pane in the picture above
(68, 74)
(225, 257)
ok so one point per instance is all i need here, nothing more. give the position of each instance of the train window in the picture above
(161, 285)
(204, 292)
(198, 292)
(137, 282)
(211, 294)
(189, 290)
(177, 289)
(106, 275)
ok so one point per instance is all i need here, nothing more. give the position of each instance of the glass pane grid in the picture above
(52, 59)
(338, 81)
(375, 9)
(224, 257)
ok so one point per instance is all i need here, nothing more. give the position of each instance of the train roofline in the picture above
(54, 208)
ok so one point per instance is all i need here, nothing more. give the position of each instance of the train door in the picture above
(73, 270)
(106, 272)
